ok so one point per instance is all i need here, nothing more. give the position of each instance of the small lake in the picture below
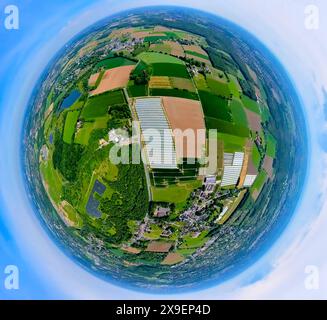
(70, 100)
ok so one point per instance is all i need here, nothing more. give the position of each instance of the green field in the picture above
(234, 86)
(183, 84)
(170, 70)
(186, 252)
(259, 182)
(250, 104)
(265, 114)
(141, 66)
(110, 171)
(175, 193)
(78, 105)
(161, 47)
(73, 216)
(137, 91)
(155, 57)
(83, 134)
(256, 158)
(219, 88)
(87, 186)
(233, 207)
(52, 179)
(180, 34)
(219, 75)
(155, 38)
(174, 93)
(193, 243)
(196, 54)
(70, 126)
(227, 127)
(215, 106)
(98, 106)
(172, 34)
(115, 63)
(201, 83)
(238, 113)
(232, 143)
(271, 146)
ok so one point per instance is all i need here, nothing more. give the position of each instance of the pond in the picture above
(71, 99)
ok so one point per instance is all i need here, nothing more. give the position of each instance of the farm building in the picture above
(233, 163)
(161, 212)
(210, 183)
(156, 134)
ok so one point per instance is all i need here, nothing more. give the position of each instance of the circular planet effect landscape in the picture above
(187, 223)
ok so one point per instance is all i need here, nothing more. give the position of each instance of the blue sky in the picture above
(45, 27)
